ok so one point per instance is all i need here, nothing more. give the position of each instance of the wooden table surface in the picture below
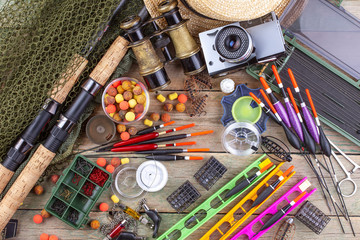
(181, 171)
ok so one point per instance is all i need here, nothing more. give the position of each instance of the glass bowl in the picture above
(134, 82)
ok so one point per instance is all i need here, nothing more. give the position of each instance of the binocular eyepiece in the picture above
(187, 50)
(151, 68)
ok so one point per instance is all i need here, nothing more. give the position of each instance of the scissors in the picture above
(347, 173)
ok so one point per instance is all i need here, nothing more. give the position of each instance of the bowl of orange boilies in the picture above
(125, 100)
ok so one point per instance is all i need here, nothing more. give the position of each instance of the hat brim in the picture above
(197, 24)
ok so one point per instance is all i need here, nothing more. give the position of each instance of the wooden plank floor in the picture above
(179, 172)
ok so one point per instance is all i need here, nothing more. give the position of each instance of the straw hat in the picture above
(207, 14)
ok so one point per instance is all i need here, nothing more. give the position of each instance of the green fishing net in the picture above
(38, 38)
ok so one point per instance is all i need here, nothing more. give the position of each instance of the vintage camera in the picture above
(233, 47)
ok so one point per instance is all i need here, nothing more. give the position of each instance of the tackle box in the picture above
(69, 201)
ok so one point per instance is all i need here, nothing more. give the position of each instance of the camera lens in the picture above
(233, 43)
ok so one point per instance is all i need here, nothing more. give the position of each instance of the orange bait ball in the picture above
(53, 237)
(104, 207)
(111, 108)
(125, 136)
(110, 168)
(101, 162)
(116, 84)
(38, 190)
(44, 236)
(95, 224)
(124, 105)
(115, 162)
(182, 98)
(37, 219)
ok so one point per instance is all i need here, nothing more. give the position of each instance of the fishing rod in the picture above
(145, 137)
(154, 128)
(173, 150)
(294, 121)
(326, 149)
(150, 146)
(277, 104)
(60, 132)
(172, 157)
(310, 145)
(28, 138)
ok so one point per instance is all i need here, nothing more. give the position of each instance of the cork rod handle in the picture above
(59, 93)
(107, 65)
(42, 157)
(5, 176)
(24, 183)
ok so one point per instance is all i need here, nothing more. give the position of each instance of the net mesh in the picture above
(38, 38)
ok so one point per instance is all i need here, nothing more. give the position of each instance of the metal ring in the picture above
(354, 184)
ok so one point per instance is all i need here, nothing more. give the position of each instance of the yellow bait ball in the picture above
(125, 160)
(115, 199)
(130, 116)
(132, 103)
(119, 98)
(161, 98)
(148, 122)
(173, 96)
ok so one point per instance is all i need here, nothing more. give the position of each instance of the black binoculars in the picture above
(176, 36)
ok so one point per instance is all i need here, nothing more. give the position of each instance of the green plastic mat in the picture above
(214, 203)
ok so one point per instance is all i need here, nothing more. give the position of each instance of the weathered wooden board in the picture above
(181, 171)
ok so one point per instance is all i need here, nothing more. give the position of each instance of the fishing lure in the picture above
(197, 106)
(312, 217)
(203, 80)
(191, 88)
(276, 149)
(286, 230)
